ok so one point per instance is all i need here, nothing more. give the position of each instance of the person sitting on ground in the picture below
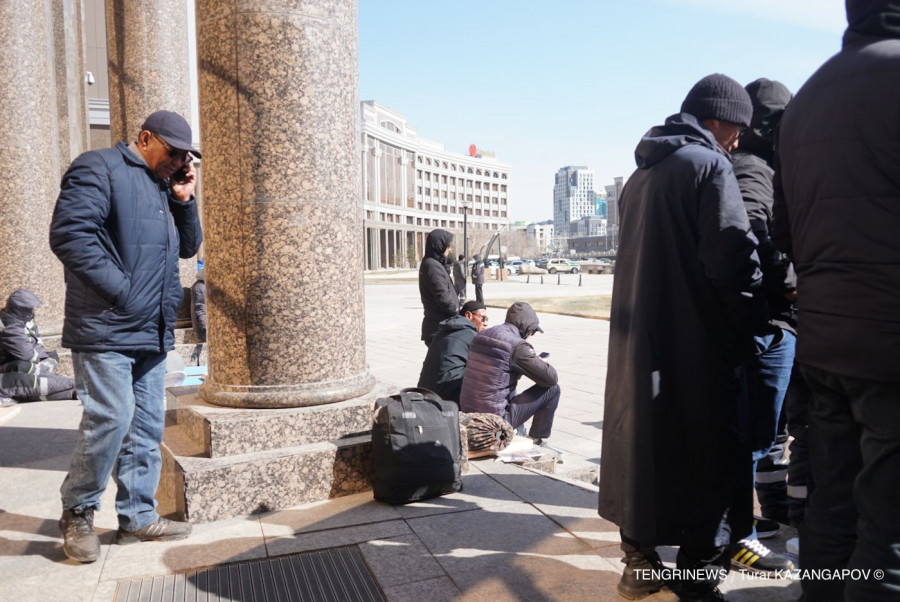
(198, 314)
(498, 357)
(26, 368)
(445, 363)
(439, 298)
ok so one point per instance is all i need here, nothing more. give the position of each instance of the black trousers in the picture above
(853, 517)
(479, 296)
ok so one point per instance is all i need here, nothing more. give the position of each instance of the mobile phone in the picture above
(180, 176)
(543, 354)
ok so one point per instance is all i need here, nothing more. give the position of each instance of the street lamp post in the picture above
(465, 207)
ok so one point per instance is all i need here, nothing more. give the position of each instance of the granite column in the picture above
(284, 264)
(29, 158)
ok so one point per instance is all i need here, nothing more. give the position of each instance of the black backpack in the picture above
(415, 447)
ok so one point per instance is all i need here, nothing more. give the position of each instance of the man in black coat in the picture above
(837, 213)
(686, 302)
(445, 363)
(123, 218)
(439, 298)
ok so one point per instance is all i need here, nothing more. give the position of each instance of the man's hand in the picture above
(183, 189)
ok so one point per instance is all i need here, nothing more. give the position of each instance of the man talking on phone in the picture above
(123, 218)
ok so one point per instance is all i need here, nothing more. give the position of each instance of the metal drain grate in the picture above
(337, 574)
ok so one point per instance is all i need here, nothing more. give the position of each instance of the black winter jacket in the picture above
(119, 237)
(752, 163)
(837, 199)
(439, 298)
(445, 363)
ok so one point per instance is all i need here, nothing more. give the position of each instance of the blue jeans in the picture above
(768, 374)
(539, 402)
(121, 428)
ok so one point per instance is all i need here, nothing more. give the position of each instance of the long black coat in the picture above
(439, 298)
(684, 305)
(837, 202)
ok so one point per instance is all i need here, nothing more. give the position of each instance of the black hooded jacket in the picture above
(684, 308)
(20, 341)
(752, 163)
(445, 363)
(837, 200)
(439, 298)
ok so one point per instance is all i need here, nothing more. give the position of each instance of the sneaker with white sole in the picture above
(80, 540)
(161, 530)
(753, 556)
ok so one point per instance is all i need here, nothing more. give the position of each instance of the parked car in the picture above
(560, 265)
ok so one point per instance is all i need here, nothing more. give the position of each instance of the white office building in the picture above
(573, 198)
(410, 186)
(541, 233)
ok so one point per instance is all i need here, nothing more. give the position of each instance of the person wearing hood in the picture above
(478, 277)
(498, 358)
(439, 298)
(26, 368)
(445, 363)
(837, 215)
(675, 466)
(768, 370)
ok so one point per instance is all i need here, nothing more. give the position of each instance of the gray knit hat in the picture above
(719, 97)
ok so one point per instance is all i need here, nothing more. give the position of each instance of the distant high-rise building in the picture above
(613, 193)
(541, 233)
(600, 204)
(573, 198)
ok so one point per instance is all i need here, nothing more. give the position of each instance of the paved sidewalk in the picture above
(511, 534)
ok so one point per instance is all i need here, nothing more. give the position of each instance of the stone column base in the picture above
(221, 463)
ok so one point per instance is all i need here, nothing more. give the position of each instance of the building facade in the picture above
(541, 233)
(573, 198)
(410, 186)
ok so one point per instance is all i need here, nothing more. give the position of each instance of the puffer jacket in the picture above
(21, 348)
(119, 236)
(498, 358)
(445, 363)
(439, 298)
(837, 200)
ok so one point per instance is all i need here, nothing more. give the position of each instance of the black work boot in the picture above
(80, 541)
(641, 576)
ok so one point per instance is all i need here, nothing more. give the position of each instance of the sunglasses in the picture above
(172, 151)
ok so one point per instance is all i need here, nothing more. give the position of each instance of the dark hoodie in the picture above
(478, 270)
(445, 364)
(837, 200)
(439, 298)
(752, 163)
(20, 340)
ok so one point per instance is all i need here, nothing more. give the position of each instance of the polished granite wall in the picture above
(283, 221)
(147, 49)
(29, 157)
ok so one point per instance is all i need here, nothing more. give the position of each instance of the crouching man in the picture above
(498, 357)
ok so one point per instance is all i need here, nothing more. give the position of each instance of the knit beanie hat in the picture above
(719, 97)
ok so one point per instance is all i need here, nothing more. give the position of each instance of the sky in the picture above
(573, 82)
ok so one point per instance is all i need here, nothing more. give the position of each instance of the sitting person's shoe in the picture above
(641, 576)
(80, 542)
(765, 527)
(162, 530)
(6, 402)
(752, 556)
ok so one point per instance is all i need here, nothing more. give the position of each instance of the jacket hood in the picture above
(769, 99)
(456, 323)
(436, 243)
(879, 18)
(21, 304)
(661, 141)
(522, 316)
(477, 257)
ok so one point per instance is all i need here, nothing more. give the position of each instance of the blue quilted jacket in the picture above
(119, 236)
